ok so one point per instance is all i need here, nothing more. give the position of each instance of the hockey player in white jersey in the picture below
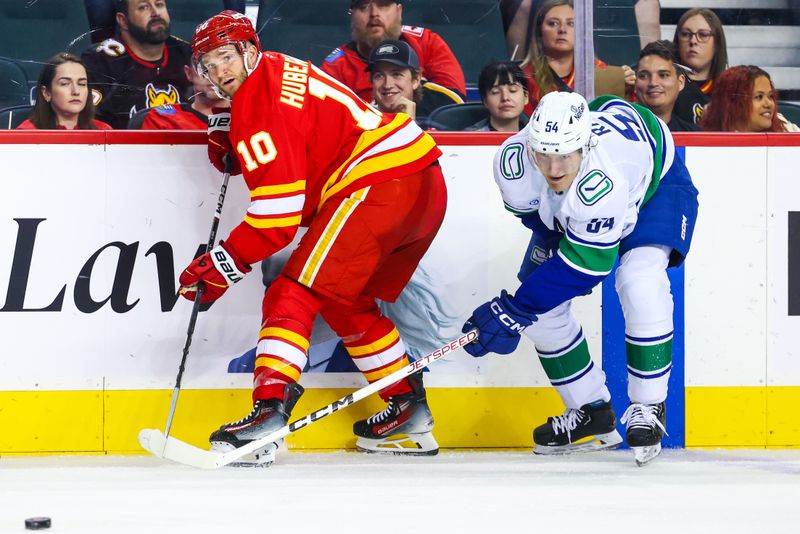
(593, 186)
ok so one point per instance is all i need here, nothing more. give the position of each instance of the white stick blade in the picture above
(153, 441)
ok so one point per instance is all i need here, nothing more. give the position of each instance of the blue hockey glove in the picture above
(499, 323)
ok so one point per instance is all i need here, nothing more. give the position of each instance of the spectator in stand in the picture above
(744, 100)
(504, 92)
(62, 98)
(659, 80)
(550, 63)
(397, 87)
(701, 45)
(372, 21)
(191, 115)
(141, 69)
(517, 22)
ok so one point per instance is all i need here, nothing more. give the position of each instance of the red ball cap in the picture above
(228, 27)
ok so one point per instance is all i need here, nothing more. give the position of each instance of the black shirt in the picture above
(677, 124)
(691, 101)
(123, 83)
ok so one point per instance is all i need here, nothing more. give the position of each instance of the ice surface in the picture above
(681, 491)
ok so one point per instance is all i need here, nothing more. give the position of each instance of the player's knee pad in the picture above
(555, 329)
(288, 300)
(644, 291)
(351, 321)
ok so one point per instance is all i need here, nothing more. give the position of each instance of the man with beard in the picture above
(372, 21)
(141, 69)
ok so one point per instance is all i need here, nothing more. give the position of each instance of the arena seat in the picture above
(311, 29)
(457, 117)
(14, 87)
(13, 116)
(35, 31)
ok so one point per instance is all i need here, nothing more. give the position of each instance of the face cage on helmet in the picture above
(203, 71)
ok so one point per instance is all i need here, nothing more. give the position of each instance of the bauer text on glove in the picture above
(219, 143)
(499, 323)
(217, 270)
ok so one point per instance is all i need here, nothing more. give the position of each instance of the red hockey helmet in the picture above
(228, 27)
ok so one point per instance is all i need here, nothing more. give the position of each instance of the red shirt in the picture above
(533, 89)
(28, 125)
(302, 138)
(437, 62)
(172, 117)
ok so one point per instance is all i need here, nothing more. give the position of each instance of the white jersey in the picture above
(631, 150)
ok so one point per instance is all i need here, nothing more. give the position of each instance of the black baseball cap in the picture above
(354, 3)
(396, 52)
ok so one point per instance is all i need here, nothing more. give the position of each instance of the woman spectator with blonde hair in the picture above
(744, 100)
(702, 48)
(550, 63)
(62, 98)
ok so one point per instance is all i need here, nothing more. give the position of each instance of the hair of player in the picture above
(542, 74)
(732, 101)
(43, 116)
(720, 61)
(500, 73)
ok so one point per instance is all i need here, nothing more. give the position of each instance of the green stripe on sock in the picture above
(567, 364)
(649, 358)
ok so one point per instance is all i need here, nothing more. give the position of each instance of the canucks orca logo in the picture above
(159, 97)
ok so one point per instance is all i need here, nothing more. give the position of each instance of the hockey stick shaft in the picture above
(348, 400)
(198, 297)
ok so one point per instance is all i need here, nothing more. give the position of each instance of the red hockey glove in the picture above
(219, 142)
(217, 269)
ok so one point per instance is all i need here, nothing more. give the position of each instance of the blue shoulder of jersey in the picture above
(166, 109)
(333, 56)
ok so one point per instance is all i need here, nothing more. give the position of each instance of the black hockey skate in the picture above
(404, 427)
(591, 428)
(267, 416)
(646, 425)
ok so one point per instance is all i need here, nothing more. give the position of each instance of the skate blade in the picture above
(643, 455)
(264, 457)
(400, 444)
(600, 442)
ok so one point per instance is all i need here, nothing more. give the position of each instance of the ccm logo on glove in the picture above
(506, 319)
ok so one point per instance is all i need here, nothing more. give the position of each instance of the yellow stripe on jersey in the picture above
(277, 222)
(369, 140)
(326, 240)
(384, 161)
(279, 366)
(375, 346)
(279, 189)
(386, 371)
(283, 333)
(444, 90)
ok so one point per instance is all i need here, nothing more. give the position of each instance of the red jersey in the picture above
(302, 138)
(533, 89)
(28, 125)
(437, 62)
(169, 117)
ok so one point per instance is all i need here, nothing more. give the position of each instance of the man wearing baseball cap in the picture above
(397, 87)
(372, 21)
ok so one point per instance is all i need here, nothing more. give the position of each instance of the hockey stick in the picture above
(198, 297)
(153, 441)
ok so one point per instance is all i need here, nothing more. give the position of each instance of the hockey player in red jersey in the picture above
(372, 21)
(369, 189)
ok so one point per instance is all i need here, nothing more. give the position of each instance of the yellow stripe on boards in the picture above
(283, 333)
(280, 189)
(378, 345)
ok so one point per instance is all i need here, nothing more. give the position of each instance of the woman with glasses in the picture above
(701, 45)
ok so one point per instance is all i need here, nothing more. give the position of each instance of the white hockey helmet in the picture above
(560, 125)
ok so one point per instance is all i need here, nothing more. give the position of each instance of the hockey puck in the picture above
(37, 523)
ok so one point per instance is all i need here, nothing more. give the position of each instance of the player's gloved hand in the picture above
(499, 323)
(217, 270)
(219, 142)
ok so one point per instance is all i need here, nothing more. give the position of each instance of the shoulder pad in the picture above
(416, 31)
(333, 56)
(111, 48)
